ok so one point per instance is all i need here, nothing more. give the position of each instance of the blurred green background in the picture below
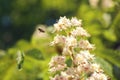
(20, 18)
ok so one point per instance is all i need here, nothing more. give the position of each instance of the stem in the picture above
(72, 56)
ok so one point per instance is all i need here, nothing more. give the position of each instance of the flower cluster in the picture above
(104, 3)
(76, 48)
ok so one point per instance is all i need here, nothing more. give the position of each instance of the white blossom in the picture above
(84, 44)
(59, 77)
(95, 68)
(79, 70)
(76, 22)
(107, 3)
(82, 61)
(58, 39)
(71, 41)
(71, 74)
(57, 63)
(62, 24)
(94, 3)
(79, 59)
(86, 54)
(66, 51)
(79, 31)
(97, 76)
(83, 57)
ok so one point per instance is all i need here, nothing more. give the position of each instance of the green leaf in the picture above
(35, 53)
(110, 55)
(110, 35)
(9, 73)
(69, 62)
(116, 25)
(23, 45)
(107, 67)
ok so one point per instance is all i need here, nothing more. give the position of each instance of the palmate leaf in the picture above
(110, 55)
(107, 67)
(35, 53)
(116, 25)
